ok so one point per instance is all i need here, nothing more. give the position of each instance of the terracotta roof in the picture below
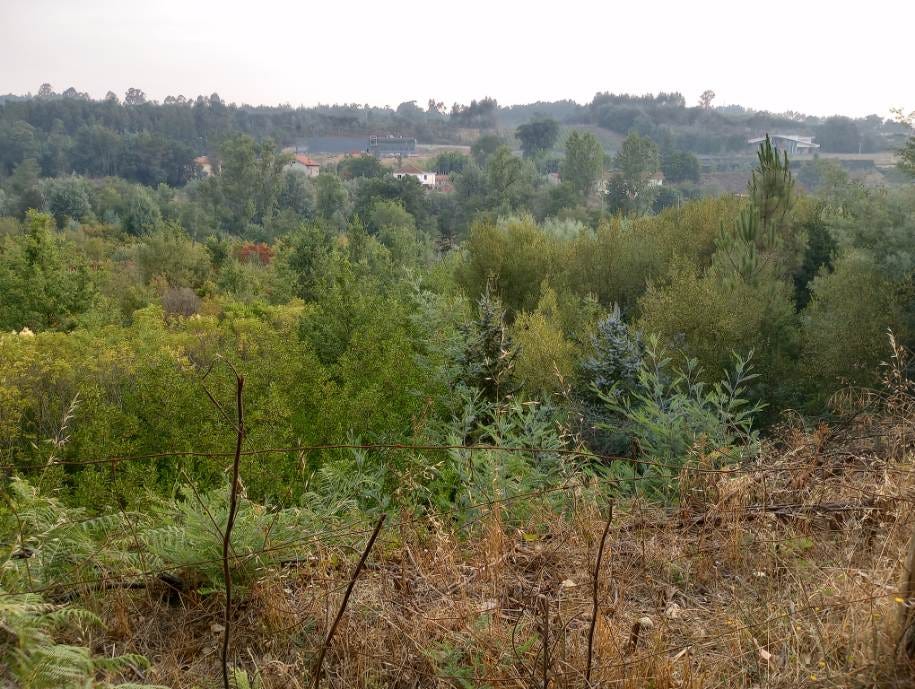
(303, 159)
(202, 160)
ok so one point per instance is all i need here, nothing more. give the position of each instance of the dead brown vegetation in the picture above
(792, 571)
(781, 574)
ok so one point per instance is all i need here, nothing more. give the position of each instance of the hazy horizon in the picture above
(826, 60)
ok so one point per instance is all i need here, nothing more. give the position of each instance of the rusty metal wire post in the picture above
(595, 580)
(316, 676)
(230, 522)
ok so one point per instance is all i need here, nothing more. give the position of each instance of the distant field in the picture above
(610, 141)
(435, 149)
(881, 158)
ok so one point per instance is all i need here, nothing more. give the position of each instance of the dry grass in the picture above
(784, 574)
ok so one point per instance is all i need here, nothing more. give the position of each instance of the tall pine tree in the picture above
(747, 248)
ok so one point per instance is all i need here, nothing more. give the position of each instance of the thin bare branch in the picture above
(595, 602)
(316, 680)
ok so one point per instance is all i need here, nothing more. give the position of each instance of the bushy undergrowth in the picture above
(673, 418)
(33, 659)
(534, 371)
(44, 545)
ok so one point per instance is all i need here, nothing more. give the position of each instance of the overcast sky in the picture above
(815, 56)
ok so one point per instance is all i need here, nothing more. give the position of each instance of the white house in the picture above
(427, 179)
(790, 143)
(302, 163)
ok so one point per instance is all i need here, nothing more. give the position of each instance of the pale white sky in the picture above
(814, 56)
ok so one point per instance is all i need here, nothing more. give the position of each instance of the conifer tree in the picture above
(771, 190)
(616, 359)
(488, 360)
(358, 240)
(748, 247)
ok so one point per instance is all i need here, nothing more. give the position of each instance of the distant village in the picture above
(401, 153)
(327, 150)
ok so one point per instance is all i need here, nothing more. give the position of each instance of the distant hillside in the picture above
(668, 120)
(70, 131)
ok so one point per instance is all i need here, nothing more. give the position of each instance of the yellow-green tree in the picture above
(546, 358)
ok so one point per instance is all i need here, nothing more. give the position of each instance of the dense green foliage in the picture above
(598, 331)
(537, 136)
(599, 311)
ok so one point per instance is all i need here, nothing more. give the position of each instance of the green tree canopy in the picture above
(45, 285)
(510, 181)
(845, 326)
(330, 195)
(583, 162)
(680, 166)
(537, 136)
(352, 167)
(248, 187)
(637, 160)
(907, 157)
(69, 198)
(24, 187)
(484, 147)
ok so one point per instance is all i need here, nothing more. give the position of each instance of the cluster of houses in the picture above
(380, 147)
(305, 165)
(403, 147)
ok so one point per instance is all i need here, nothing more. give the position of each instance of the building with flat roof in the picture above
(391, 146)
(792, 144)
